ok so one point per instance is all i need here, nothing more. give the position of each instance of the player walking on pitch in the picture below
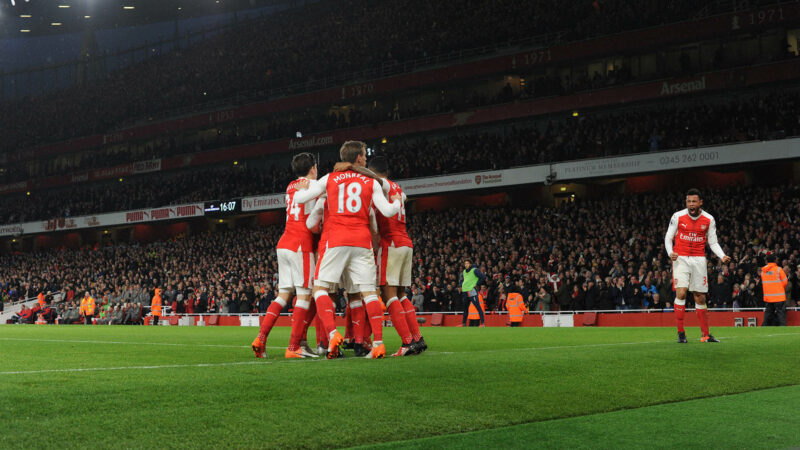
(691, 229)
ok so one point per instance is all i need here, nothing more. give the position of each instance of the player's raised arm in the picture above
(670, 237)
(383, 205)
(713, 242)
(315, 189)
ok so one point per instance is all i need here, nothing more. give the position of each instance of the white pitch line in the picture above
(170, 344)
(170, 366)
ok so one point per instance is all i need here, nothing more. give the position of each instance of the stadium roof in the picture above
(21, 18)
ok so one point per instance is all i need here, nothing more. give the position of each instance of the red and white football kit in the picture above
(691, 235)
(295, 249)
(350, 197)
(395, 256)
(396, 250)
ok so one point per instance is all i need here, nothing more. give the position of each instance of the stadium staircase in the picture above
(14, 308)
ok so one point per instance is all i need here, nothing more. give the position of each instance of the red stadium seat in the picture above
(589, 319)
(173, 320)
(437, 320)
(213, 320)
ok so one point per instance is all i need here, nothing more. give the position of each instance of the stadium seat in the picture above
(437, 320)
(213, 320)
(589, 319)
(173, 320)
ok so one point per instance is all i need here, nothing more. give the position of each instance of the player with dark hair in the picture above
(691, 229)
(394, 258)
(349, 241)
(295, 251)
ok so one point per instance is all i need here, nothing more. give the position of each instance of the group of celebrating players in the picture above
(333, 225)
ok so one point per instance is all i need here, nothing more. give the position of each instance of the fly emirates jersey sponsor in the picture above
(393, 229)
(692, 234)
(296, 236)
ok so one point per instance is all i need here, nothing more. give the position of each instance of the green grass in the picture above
(491, 387)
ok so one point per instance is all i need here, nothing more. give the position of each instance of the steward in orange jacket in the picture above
(774, 281)
(516, 308)
(473, 313)
(87, 308)
(155, 306)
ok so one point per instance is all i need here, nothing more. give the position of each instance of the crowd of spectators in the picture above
(603, 254)
(224, 272)
(322, 40)
(764, 116)
(323, 118)
(599, 254)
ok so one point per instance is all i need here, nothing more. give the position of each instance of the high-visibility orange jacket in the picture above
(516, 307)
(473, 313)
(774, 281)
(40, 299)
(87, 306)
(155, 304)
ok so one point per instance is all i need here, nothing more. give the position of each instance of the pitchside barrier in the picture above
(718, 317)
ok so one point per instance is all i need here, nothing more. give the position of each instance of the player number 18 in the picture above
(353, 202)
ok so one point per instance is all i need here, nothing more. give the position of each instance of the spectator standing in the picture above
(543, 300)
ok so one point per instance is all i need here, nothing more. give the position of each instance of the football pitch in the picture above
(177, 387)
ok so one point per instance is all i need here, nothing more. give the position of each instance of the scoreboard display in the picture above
(223, 208)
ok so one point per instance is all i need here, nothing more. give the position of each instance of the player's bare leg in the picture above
(702, 315)
(398, 315)
(680, 313)
(259, 344)
(327, 314)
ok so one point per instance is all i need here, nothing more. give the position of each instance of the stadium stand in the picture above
(276, 53)
(578, 252)
(752, 116)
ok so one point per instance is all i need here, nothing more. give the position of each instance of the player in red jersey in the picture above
(394, 258)
(691, 229)
(349, 241)
(296, 263)
(357, 326)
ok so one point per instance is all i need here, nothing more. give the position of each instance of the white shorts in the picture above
(295, 269)
(348, 285)
(690, 272)
(394, 265)
(357, 263)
